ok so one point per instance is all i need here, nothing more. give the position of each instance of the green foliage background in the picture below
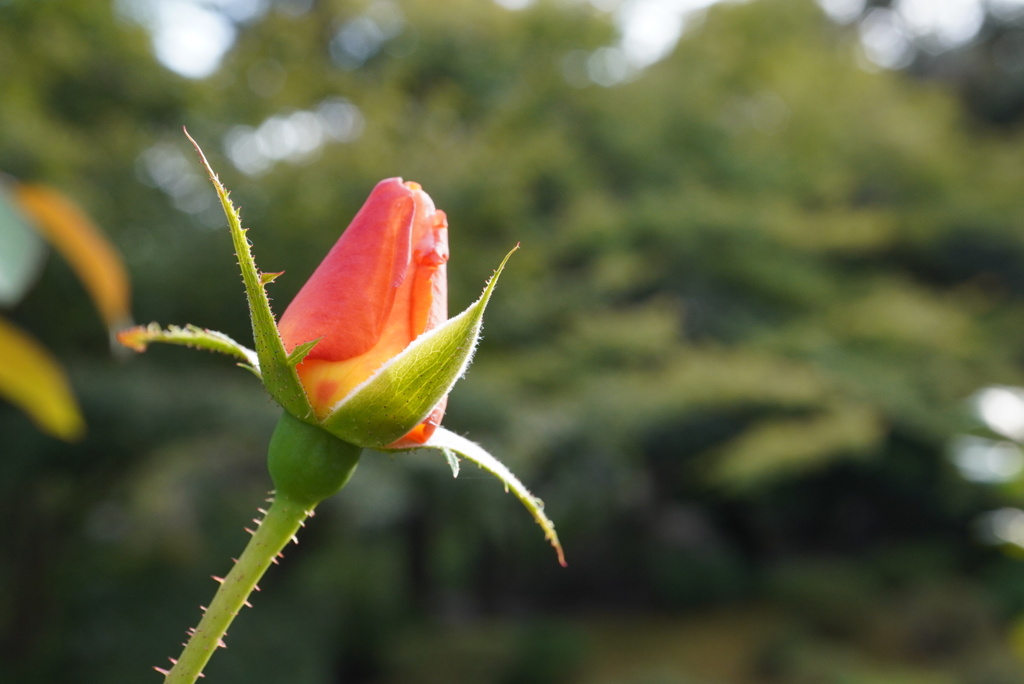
(756, 284)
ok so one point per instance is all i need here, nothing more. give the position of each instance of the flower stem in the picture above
(278, 527)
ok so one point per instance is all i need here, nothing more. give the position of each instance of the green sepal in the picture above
(300, 351)
(307, 464)
(448, 442)
(453, 461)
(279, 376)
(141, 336)
(267, 278)
(403, 392)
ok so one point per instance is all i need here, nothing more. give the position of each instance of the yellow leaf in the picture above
(32, 380)
(81, 243)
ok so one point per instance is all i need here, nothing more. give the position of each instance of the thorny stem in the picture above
(278, 527)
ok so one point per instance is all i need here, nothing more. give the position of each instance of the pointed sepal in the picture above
(278, 374)
(447, 442)
(300, 352)
(403, 392)
(453, 461)
(138, 338)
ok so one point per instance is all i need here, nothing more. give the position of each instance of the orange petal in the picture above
(79, 241)
(419, 435)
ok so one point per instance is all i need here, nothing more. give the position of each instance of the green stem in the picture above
(279, 526)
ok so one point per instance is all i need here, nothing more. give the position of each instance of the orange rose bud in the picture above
(382, 285)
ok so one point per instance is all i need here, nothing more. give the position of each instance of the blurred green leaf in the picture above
(22, 251)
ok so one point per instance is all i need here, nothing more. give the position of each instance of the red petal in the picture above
(349, 297)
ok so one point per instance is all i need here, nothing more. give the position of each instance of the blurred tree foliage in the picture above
(756, 284)
(987, 71)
